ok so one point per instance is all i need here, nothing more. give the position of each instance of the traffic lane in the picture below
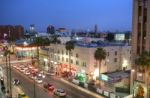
(71, 91)
(28, 86)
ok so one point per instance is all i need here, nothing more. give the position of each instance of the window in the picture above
(58, 51)
(77, 55)
(66, 59)
(58, 57)
(115, 52)
(62, 52)
(84, 64)
(115, 59)
(77, 62)
(62, 58)
(66, 52)
(51, 55)
(71, 54)
(71, 61)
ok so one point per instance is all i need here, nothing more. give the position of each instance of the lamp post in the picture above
(25, 43)
(133, 72)
(37, 49)
(45, 63)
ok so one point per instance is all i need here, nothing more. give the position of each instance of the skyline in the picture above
(109, 15)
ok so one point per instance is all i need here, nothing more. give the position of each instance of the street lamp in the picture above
(45, 63)
(25, 44)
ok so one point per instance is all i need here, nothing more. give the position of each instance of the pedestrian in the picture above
(3, 89)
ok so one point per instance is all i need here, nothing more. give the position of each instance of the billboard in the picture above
(119, 37)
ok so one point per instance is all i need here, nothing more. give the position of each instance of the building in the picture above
(51, 29)
(140, 43)
(16, 32)
(82, 60)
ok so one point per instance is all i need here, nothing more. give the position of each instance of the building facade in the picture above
(140, 43)
(16, 32)
(82, 58)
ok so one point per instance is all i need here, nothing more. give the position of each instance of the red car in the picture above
(49, 87)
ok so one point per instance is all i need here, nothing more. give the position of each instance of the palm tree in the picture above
(69, 46)
(100, 55)
(7, 53)
(144, 61)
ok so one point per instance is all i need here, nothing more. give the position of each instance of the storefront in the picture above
(65, 69)
(25, 52)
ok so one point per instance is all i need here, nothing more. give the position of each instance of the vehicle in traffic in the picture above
(16, 82)
(49, 86)
(59, 93)
(22, 95)
(38, 80)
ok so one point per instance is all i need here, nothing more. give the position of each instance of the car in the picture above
(22, 70)
(14, 66)
(51, 73)
(38, 80)
(49, 86)
(16, 82)
(60, 93)
(27, 72)
(22, 95)
(42, 75)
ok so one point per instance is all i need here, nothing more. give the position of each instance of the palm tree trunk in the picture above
(99, 73)
(7, 73)
(69, 63)
(10, 76)
(147, 74)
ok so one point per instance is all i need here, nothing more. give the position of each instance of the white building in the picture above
(82, 58)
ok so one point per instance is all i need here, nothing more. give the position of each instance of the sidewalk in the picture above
(82, 89)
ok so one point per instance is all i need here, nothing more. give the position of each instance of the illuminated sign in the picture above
(119, 37)
(104, 77)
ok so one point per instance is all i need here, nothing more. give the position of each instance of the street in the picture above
(27, 85)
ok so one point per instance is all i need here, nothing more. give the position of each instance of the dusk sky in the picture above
(72, 14)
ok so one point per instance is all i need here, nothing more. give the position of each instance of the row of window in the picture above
(67, 60)
(77, 55)
(67, 53)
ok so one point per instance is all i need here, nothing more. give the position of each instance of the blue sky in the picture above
(73, 14)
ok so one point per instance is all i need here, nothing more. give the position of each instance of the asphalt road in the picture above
(28, 84)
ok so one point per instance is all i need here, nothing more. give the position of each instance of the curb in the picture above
(82, 89)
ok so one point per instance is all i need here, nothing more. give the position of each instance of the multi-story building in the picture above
(82, 60)
(140, 43)
(16, 32)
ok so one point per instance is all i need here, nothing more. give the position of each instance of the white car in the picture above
(27, 72)
(41, 75)
(39, 80)
(60, 92)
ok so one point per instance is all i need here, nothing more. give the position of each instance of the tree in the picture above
(69, 46)
(144, 61)
(7, 53)
(100, 55)
(110, 37)
(39, 41)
